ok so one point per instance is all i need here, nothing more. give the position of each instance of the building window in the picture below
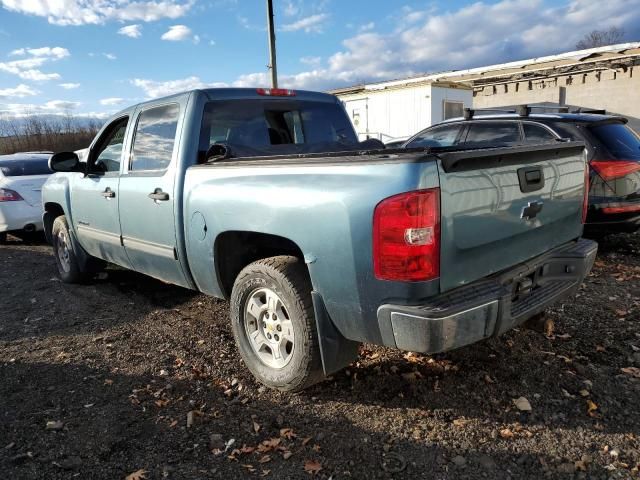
(452, 109)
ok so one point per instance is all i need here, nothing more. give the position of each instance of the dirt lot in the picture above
(129, 374)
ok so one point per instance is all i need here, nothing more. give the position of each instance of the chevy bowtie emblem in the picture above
(531, 210)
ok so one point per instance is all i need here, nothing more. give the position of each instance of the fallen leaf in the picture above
(190, 419)
(287, 455)
(506, 433)
(580, 465)
(250, 468)
(256, 427)
(246, 449)
(600, 348)
(522, 404)
(287, 433)
(633, 371)
(488, 379)
(264, 459)
(54, 425)
(173, 424)
(306, 440)
(265, 472)
(137, 475)
(161, 403)
(316, 448)
(460, 422)
(312, 466)
(592, 407)
(584, 392)
(108, 381)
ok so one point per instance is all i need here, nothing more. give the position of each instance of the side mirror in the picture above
(216, 152)
(65, 162)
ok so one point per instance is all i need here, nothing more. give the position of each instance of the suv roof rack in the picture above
(522, 110)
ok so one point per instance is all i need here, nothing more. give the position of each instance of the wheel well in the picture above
(235, 250)
(51, 212)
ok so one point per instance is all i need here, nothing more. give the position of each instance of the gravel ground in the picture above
(132, 377)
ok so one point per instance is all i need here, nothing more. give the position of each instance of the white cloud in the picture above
(177, 33)
(367, 26)
(291, 8)
(69, 86)
(110, 56)
(310, 24)
(20, 91)
(83, 12)
(28, 68)
(111, 101)
(311, 60)
(133, 31)
(155, 89)
(52, 107)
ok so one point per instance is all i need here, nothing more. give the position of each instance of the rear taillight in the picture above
(621, 208)
(7, 195)
(276, 92)
(612, 169)
(585, 197)
(406, 237)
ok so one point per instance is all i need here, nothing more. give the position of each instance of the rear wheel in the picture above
(69, 267)
(274, 325)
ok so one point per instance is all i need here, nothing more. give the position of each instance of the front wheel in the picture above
(69, 267)
(274, 325)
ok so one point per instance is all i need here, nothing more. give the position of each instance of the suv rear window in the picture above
(276, 127)
(28, 166)
(621, 142)
(492, 134)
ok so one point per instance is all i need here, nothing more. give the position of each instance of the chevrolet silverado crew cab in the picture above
(266, 197)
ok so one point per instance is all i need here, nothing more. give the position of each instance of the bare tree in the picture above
(56, 134)
(601, 38)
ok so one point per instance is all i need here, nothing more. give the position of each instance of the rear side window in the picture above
(537, 134)
(489, 134)
(155, 137)
(436, 137)
(276, 127)
(21, 168)
(621, 142)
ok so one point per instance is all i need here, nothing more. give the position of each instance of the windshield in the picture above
(276, 127)
(28, 166)
(621, 142)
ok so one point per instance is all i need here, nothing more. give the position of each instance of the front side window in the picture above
(492, 134)
(436, 137)
(108, 150)
(155, 138)
(537, 134)
(276, 127)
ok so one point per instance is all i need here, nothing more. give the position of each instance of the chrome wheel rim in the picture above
(269, 328)
(62, 250)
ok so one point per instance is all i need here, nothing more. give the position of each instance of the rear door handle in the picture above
(159, 195)
(108, 193)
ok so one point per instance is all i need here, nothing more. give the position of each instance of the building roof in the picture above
(612, 56)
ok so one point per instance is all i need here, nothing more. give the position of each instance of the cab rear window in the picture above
(276, 127)
(20, 168)
(621, 142)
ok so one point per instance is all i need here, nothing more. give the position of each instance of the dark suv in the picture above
(613, 152)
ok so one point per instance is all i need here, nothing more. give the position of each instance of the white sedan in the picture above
(21, 178)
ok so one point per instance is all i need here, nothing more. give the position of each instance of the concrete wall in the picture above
(615, 91)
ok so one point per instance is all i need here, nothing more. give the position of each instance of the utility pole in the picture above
(272, 45)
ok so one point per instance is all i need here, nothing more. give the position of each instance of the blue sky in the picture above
(93, 57)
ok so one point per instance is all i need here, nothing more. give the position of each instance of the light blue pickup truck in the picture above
(266, 197)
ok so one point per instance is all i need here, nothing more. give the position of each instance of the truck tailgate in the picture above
(503, 206)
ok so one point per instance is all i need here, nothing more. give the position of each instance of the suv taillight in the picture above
(585, 198)
(406, 237)
(612, 169)
(7, 195)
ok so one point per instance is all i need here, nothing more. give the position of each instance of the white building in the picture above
(598, 78)
(400, 108)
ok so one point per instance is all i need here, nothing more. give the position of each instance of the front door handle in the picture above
(108, 193)
(158, 194)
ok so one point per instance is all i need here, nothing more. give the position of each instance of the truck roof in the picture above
(241, 93)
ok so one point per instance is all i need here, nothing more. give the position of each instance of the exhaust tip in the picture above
(29, 228)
